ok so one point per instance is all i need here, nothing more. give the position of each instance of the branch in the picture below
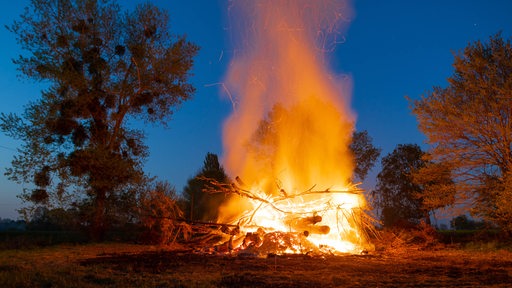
(214, 186)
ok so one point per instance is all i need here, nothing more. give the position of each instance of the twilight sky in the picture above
(392, 49)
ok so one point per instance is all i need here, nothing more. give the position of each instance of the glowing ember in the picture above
(288, 137)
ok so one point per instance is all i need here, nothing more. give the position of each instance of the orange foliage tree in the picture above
(469, 125)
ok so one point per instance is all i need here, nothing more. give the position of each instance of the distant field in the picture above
(125, 265)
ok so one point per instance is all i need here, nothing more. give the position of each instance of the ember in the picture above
(289, 134)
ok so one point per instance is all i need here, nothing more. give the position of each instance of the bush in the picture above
(462, 222)
(160, 216)
(399, 239)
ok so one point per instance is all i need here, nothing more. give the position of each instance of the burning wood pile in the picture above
(310, 222)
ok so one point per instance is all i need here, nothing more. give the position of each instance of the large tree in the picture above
(469, 124)
(103, 67)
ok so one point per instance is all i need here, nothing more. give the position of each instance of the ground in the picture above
(123, 265)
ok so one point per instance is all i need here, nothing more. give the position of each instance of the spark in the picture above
(221, 54)
(226, 90)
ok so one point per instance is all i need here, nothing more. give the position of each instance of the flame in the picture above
(292, 125)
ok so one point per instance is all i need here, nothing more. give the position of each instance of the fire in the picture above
(289, 135)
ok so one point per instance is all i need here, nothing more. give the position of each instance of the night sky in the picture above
(392, 49)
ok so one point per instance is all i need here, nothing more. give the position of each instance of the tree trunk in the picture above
(98, 228)
(427, 218)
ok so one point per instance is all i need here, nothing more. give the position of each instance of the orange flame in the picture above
(292, 125)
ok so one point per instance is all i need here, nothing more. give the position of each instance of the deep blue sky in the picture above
(392, 49)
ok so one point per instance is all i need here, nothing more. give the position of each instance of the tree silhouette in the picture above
(395, 193)
(201, 205)
(103, 67)
(364, 152)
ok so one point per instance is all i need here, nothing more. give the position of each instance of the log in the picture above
(315, 229)
(307, 225)
(252, 239)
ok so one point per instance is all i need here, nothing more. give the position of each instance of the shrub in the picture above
(161, 217)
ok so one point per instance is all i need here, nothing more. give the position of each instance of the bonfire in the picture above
(312, 222)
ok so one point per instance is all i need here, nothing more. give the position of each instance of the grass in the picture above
(129, 265)
(476, 240)
(59, 266)
(487, 246)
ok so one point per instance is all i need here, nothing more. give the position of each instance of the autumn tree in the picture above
(202, 205)
(437, 188)
(103, 68)
(469, 125)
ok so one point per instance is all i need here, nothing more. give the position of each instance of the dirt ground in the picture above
(114, 265)
(415, 268)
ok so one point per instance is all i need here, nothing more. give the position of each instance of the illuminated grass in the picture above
(125, 265)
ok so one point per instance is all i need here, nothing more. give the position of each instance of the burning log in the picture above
(311, 220)
(307, 225)
(253, 239)
(324, 229)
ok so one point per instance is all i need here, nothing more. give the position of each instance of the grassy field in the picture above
(61, 266)
(126, 265)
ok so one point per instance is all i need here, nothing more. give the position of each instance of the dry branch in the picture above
(306, 223)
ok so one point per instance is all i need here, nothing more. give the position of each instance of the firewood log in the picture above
(308, 224)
